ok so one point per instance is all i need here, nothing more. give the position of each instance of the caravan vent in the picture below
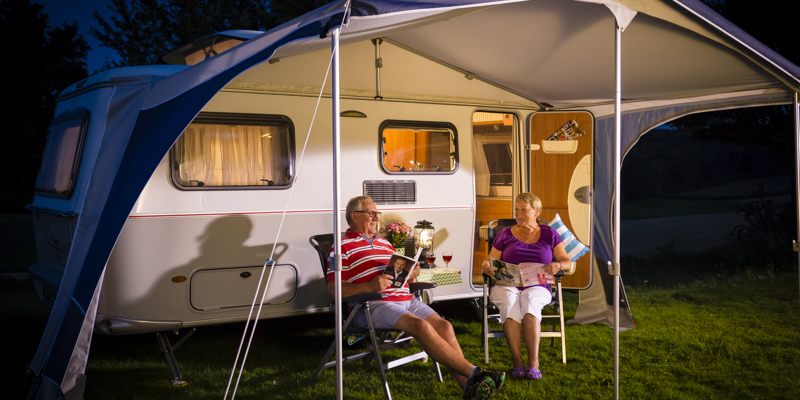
(391, 192)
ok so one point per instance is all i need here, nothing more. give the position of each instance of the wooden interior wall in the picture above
(488, 210)
(551, 175)
(399, 148)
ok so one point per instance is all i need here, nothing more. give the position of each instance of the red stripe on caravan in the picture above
(293, 212)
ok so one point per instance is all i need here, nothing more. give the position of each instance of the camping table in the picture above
(440, 276)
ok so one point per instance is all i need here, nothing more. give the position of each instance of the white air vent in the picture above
(391, 192)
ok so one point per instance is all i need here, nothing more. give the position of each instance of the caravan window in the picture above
(62, 155)
(418, 147)
(224, 151)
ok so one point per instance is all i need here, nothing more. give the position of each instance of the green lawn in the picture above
(731, 337)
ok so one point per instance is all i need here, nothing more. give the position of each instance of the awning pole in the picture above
(797, 173)
(617, 176)
(337, 218)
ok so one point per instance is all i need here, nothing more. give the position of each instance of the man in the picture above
(364, 259)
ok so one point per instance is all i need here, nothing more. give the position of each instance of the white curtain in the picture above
(226, 155)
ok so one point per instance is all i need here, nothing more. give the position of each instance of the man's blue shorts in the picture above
(385, 314)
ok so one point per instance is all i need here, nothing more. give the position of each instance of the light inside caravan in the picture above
(492, 135)
(418, 147)
(234, 150)
(62, 155)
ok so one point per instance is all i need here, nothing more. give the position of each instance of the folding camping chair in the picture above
(381, 338)
(557, 304)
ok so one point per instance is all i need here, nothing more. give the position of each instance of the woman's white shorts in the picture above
(514, 303)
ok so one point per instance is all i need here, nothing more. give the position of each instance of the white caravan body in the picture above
(191, 256)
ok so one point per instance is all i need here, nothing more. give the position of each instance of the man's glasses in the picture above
(372, 214)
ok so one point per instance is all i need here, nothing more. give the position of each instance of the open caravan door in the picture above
(561, 176)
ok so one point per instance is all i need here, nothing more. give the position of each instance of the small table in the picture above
(440, 276)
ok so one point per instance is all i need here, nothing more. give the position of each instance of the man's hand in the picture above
(380, 282)
(414, 274)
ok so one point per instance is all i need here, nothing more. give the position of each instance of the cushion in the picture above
(575, 249)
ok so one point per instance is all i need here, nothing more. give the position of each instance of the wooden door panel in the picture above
(551, 175)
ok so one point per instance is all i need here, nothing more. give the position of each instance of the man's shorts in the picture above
(514, 303)
(385, 314)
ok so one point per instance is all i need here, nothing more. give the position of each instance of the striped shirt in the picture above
(363, 259)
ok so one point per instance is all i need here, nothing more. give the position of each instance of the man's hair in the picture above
(531, 199)
(355, 204)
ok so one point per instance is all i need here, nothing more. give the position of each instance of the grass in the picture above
(723, 338)
(705, 331)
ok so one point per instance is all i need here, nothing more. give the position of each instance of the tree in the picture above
(141, 31)
(37, 61)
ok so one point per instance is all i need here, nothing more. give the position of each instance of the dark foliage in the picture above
(666, 163)
(37, 61)
(764, 241)
(141, 31)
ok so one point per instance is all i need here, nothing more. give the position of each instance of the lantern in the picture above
(423, 239)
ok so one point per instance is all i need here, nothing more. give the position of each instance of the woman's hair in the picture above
(531, 199)
(354, 204)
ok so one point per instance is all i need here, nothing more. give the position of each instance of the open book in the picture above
(524, 274)
(400, 268)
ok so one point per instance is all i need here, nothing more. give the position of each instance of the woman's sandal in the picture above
(518, 372)
(533, 373)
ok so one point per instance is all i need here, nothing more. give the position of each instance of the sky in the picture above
(68, 11)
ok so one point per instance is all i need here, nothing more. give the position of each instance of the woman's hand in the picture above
(552, 268)
(486, 266)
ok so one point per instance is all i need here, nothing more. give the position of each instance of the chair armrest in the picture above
(363, 297)
(417, 286)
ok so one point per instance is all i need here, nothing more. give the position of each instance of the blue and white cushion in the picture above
(575, 249)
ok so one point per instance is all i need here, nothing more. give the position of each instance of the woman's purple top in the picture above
(516, 251)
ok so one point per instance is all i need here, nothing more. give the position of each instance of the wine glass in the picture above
(447, 256)
(430, 258)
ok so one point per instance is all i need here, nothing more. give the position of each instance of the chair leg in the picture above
(376, 349)
(486, 322)
(561, 318)
(331, 349)
(322, 362)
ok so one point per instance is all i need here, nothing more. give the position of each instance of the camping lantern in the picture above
(423, 239)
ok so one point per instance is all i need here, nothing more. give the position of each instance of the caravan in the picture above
(193, 246)
(163, 188)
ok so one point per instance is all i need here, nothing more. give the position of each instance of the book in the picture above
(519, 275)
(400, 267)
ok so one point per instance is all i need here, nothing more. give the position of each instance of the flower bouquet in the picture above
(396, 233)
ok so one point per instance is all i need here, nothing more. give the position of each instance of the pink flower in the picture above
(396, 233)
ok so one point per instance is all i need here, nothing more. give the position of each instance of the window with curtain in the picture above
(234, 151)
(62, 155)
(418, 147)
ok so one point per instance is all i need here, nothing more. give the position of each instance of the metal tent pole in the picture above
(337, 218)
(797, 171)
(617, 175)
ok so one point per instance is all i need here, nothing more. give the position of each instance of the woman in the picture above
(527, 241)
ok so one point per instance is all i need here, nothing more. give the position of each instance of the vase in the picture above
(401, 250)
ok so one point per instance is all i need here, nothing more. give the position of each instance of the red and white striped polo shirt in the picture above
(364, 259)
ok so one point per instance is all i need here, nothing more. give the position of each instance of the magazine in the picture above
(522, 275)
(400, 267)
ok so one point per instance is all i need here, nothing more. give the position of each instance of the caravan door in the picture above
(561, 175)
